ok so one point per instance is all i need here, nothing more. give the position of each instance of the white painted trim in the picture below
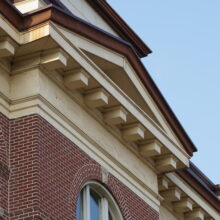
(104, 209)
(86, 203)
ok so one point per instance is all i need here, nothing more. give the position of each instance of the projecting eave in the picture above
(113, 20)
(55, 14)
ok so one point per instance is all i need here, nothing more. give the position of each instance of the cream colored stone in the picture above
(171, 195)
(24, 63)
(54, 59)
(97, 135)
(32, 92)
(166, 214)
(35, 33)
(4, 82)
(138, 182)
(166, 163)
(184, 205)
(121, 97)
(196, 214)
(133, 132)
(24, 85)
(150, 148)
(163, 183)
(150, 102)
(94, 48)
(119, 60)
(9, 29)
(115, 116)
(34, 84)
(96, 98)
(7, 48)
(192, 194)
(76, 79)
(166, 143)
(28, 36)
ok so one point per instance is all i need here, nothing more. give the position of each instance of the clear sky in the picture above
(185, 64)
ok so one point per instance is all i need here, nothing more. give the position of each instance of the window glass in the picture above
(79, 208)
(94, 205)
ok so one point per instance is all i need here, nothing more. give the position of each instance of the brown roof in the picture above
(217, 190)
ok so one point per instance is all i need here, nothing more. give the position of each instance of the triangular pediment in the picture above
(120, 69)
(120, 78)
(107, 78)
(125, 80)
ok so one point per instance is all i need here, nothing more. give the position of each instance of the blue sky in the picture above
(185, 64)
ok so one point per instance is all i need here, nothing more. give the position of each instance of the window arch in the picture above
(96, 203)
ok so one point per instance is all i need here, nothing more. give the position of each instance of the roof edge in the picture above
(120, 26)
(114, 20)
(201, 184)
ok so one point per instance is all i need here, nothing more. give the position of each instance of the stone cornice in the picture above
(59, 16)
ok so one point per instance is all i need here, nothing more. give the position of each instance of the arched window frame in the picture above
(107, 202)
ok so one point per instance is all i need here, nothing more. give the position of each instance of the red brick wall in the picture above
(47, 171)
(24, 167)
(4, 166)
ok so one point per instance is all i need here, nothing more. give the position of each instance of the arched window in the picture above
(96, 203)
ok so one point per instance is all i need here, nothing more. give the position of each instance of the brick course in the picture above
(4, 164)
(47, 171)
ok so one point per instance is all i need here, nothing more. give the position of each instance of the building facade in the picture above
(84, 132)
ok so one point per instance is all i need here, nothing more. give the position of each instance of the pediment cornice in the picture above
(61, 17)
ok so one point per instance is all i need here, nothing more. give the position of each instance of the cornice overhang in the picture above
(114, 20)
(201, 184)
(64, 18)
